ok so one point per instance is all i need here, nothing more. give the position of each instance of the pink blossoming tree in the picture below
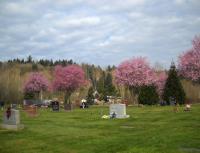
(135, 73)
(68, 79)
(189, 62)
(36, 84)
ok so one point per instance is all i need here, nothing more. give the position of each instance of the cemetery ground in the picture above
(150, 129)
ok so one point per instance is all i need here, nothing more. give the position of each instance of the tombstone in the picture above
(84, 104)
(118, 111)
(31, 110)
(11, 119)
(55, 105)
(68, 107)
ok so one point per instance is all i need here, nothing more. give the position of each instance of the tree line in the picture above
(135, 76)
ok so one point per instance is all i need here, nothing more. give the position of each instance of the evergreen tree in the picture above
(109, 87)
(100, 84)
(90, 96)
(91, 75)
(148, 95)
(29, 59)
(173, 87)
(109, 69)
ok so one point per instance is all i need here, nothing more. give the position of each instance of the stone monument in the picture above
(31, 110)
(55, 105)
(11, 119)
(119, 111)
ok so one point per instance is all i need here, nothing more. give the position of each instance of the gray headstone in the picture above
(119, 110)
(14, 118)
(12, 121)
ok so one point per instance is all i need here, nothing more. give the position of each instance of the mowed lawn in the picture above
(150, 129)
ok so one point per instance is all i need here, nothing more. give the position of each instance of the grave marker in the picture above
(11, 119)
(31, 110)
(55, 105)
(118, 111)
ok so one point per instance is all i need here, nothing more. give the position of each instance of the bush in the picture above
(148, 95)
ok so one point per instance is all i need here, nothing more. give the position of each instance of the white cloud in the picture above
(76, 22)
(17, 8)
(179, 1)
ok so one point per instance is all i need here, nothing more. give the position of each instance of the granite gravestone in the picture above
(84, 104)
(119, 111)
(11, 119)
(31, 110)
(55, 105)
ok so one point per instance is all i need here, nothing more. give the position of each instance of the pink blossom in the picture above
(135, 72)
(68, 78)
(36, 83)
(189, 62)
(160, 82)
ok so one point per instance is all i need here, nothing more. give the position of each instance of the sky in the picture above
(100, 32)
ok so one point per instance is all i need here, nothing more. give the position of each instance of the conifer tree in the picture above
(173, 87)
(90, 96)
(109, 87)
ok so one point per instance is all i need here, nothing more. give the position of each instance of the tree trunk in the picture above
(67, 102)
(41, 95)
(67, 98)
(134, 94)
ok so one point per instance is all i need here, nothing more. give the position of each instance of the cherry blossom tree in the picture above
(36, 84)
(189, 62)
(135, 73)
(68, 79)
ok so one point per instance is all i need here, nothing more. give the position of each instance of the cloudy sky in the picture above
(100, 32)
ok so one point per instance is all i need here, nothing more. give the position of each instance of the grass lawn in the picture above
(148, 130)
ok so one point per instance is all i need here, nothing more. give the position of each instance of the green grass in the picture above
(148, 130)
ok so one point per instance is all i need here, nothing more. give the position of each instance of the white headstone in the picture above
(119, 110)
